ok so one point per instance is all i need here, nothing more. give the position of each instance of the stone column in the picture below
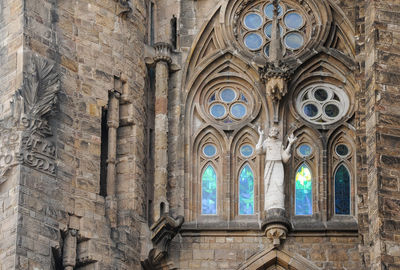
(162, 60)
(69, 249)
(113, 124)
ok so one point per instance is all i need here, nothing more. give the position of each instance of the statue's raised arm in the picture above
(259, 146)
(286, 154)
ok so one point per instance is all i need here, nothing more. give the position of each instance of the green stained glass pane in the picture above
(246, 191)
(303, 190)
(209, 191)
(342, 191)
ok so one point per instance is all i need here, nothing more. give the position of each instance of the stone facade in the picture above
(103, 116)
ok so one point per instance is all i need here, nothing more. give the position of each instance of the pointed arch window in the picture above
(342, 191)
(246, 191)
(303, 189)
(209, 191)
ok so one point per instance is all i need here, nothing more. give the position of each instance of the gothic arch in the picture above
(276, 257)
(343, 135)
(311, 137)
(245, 136)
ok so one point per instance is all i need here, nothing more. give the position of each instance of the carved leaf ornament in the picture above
(40, 87)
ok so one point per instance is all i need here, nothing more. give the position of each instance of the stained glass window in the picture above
(342, 191)
(303, 194)
(246, 150)
(228, 95)
(246, 191)
(253, 41)
(217, 110)
(209, 150)
(294, 40)
(253, 21)
(238, 110)
(209, 191)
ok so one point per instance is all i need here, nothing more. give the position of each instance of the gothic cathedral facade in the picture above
(199, 134)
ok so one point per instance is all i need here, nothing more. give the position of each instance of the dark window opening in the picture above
(151, 39)
(174, 31)
(103, 153)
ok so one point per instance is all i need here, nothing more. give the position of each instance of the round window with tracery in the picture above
(257, 23)
(322, 103)
(228, 105)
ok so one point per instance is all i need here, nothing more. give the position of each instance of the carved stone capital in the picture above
(162, 52)
(275, 70)
(164, 230)
(276, 233)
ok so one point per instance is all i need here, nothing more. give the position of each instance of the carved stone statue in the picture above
(273, 172)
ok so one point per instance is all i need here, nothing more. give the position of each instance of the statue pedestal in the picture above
(276, 225)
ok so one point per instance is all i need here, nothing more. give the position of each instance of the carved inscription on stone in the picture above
(24, 134)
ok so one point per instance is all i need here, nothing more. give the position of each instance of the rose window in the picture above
(228, 105)
(322, 104)
(257, 27)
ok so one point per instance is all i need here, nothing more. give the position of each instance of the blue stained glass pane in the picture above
(212, 98)
(269, 11)
(238, 110)
(305, 150)
(217, 110)
(243, 98)
(228, 120)
(332, 110)
(310, 110)
(228, 95)
(268, 30)
(246, 191)
(253, 41)
(293, 20)
(303, 183)
(246, 150)
(294, 41)
(209, 192)
(342, 150)
(342, 191)
(253, 21)
(209, 150)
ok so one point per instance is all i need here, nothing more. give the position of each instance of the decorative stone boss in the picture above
(273, 172)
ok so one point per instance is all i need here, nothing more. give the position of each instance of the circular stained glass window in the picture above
(246, 150)
(269, 11)
(293, 20)
(228, 95)
(266, 50)
(342, 150)
(320, 94)
(310, 110)
(294, 40)
(268, 30)
(209, 150)
(322, 103)
(253, 21)
(217, 110)
(304, 150)
(253, 41)
(331, 110)
(238, 110)
(256, 28)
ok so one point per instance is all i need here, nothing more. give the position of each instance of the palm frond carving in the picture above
(41, 84)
